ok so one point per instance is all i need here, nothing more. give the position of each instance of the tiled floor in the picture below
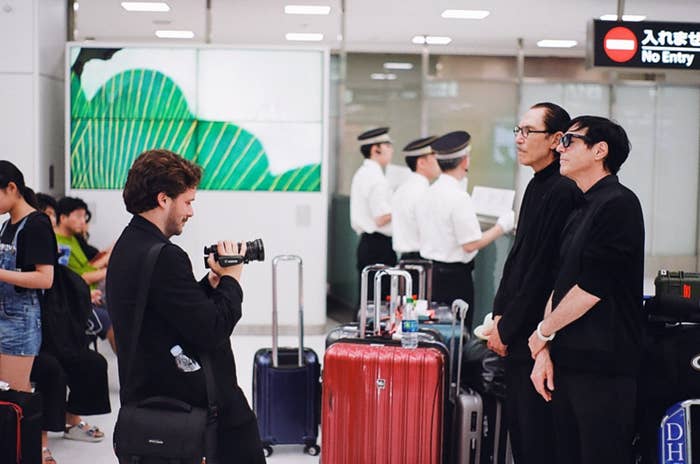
(244, 347)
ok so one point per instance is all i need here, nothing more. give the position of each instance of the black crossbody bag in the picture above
(162, 429)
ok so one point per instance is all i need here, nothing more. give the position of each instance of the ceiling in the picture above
(375, 25)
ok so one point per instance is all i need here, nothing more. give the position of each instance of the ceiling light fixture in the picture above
(383, 77)
(174, 34)
(307, 9)
(303, 36)
(465, 14)
(556, 43)
(431, 40)
(156, 7)
(630, 18)
(403, 66)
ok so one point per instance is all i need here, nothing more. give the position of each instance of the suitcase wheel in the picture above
(312, 450)
(267, 451)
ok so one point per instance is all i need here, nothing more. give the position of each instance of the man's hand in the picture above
(536, 345)
(213, 279)
(96, 297)
(227, 248)
(542, 375)
(494, 342)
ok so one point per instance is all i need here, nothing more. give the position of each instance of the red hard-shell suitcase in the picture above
(383, 404)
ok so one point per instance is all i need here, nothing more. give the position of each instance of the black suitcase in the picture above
(678, 283)
(670, 373)
(20, 427)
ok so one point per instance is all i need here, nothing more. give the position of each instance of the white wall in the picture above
(287, 223)
(51, 30)
(32, 36)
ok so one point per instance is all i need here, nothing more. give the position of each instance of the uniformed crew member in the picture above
(421, 160)
(370, 202)
(595, 310)
(450, 234)
(528, 277)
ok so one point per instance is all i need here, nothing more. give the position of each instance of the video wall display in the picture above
(252, 119)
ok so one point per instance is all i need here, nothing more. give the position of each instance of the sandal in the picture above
(83, 432)
(46, 457)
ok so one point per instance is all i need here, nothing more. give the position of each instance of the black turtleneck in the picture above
(531, 267)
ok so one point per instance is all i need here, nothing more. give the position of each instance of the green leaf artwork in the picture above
(141, 109)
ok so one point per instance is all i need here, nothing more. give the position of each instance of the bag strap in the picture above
(140, 306)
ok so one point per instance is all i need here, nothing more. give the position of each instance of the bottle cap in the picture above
(176, 350)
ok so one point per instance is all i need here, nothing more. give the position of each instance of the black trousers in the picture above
(240, 444)
(84, 374)
(529, 416)
(593, 417)
(452, 281)
(411, 255)
(374, 249)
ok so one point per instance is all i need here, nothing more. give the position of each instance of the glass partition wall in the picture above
(484, 96)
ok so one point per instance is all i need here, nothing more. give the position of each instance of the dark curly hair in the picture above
(156, 171)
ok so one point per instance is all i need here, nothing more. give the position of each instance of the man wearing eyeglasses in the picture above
(587, 348)
(528, 277)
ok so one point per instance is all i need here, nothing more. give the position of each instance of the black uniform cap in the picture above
(372, 136)
(419, 147)
(452, 145)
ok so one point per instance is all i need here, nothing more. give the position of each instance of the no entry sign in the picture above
(658, 45)
(620, 44)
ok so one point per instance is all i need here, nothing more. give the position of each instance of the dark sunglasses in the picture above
(567, 138)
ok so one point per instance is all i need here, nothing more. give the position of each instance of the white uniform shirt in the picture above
(403, 212)
(447, 220)
(370, 197)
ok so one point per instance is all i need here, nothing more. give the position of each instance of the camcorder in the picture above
(255, 251)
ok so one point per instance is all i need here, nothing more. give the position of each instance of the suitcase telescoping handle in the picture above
(378, 294)
(461, 306)
(425, 276)
(275, 325)
(363, 294)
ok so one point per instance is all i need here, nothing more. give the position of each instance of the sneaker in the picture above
(83, 432)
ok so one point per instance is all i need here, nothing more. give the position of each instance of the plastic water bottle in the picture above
(184, 363)
(409, 325)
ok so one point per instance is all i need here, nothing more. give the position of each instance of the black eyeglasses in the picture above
(527, 131)
(567, 138)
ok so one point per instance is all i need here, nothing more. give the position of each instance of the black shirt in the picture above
(530, 270)
(603, 253)
(36, 242)
(179, 311)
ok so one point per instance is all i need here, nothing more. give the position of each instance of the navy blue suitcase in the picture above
(286, 384)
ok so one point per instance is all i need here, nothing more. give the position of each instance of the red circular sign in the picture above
(620, 44)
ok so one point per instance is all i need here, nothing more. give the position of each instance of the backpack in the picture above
(65, 309)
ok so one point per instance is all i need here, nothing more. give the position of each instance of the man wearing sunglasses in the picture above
(589, 369)
(528, 277)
